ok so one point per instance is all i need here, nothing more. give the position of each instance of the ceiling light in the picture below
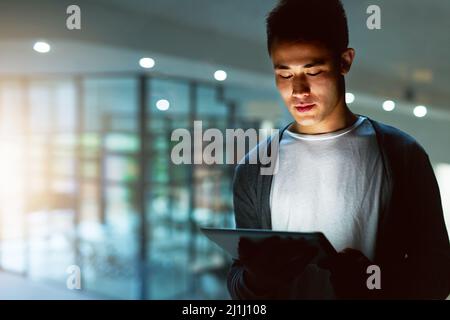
(349, 97)
(147, 63)
(162, 104)
(41, 47)
(220, 75)
(388, 105)
(420, 111)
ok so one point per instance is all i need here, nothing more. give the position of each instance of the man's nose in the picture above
(300, 86)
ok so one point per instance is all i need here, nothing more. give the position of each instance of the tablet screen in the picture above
(228, 239)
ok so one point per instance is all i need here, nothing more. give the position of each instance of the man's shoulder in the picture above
(251, 162)
(395, 138)
(253, 156)
(263, 150)
(262, 159)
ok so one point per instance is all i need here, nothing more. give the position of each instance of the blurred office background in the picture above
(85, 172)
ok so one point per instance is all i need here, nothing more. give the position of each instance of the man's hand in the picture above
(348, 274)
(274, 262)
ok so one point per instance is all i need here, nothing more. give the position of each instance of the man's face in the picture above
(310, 81)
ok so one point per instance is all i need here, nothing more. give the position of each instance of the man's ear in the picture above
(346, 60)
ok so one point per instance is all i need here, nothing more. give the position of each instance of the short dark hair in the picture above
(308, 20)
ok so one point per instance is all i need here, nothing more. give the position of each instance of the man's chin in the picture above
(305, 121)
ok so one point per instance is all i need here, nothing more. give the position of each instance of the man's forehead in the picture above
(306, 63)
(299, 54)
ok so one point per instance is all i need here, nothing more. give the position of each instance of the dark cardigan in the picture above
(412, 245)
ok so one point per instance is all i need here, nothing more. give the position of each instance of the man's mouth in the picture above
(304, 107)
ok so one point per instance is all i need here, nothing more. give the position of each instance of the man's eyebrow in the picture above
(314, 63)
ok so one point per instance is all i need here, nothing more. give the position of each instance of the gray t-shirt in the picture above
(331, 183)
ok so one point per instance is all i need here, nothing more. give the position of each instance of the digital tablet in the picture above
(228, 239)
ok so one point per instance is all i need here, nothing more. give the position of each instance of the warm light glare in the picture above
(11, 167)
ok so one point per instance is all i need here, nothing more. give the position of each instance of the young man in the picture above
(367, 186)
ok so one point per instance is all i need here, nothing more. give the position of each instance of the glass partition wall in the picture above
(87, 180)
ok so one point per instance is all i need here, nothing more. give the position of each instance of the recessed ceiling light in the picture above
(162, 104)
(220, 75)
(388, 105)
(349, 97)
(41, 47)
(147, 63)
(420, 111)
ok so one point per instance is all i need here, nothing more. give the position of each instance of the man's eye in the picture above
(314, 74)
(285, 77)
